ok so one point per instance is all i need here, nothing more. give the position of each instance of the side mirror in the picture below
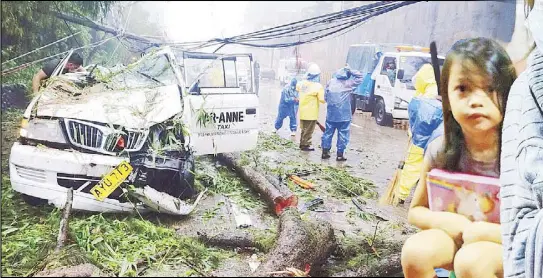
(400, 74)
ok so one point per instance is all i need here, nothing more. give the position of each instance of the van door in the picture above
(220, 103)
(384, 80)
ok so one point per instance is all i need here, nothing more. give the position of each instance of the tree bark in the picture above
(277, 197)
(300, 243)
(386, 267)
(63, 231)
(231, 239)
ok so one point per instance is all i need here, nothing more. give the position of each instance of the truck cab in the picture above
(290, 68)
(387, 88)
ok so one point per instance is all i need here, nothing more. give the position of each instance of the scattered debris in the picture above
(83, 270)
(241, 216)
(254, 263)
(164, 203)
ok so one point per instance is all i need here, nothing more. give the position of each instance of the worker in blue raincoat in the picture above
(288, 106)
(339, 115)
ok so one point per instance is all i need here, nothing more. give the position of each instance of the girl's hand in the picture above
(453, 224)
(482, 231)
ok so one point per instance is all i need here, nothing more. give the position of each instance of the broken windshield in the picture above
(152, 71)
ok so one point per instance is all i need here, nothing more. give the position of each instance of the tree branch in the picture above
(91, 24)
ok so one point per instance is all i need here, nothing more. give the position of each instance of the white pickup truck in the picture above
(387, 88)
(140, 126)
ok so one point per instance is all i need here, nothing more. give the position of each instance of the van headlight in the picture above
(42, 130)
(400, 103)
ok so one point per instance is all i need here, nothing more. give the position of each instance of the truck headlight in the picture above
(42, 130)
(400, 103)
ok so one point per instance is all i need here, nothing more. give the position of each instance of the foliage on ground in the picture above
(277, 157)
(364, 250)
(221, 180)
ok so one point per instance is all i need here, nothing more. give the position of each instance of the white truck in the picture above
(138, 128)
(291, 68)
(387, 88)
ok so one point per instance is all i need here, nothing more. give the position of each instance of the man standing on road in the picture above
(74, 64)
(287, 107)
(339, 114)
(311, 95)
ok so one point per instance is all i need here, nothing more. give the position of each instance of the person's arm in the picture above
(482, 231)
(356, 79)
(320, 95)
(421, 216)
(36, 80)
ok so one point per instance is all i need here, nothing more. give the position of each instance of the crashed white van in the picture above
(136, 130)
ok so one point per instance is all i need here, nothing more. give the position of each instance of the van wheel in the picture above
(381, 116)
(33, 201)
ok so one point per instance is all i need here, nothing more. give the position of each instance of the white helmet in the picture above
(313, 69)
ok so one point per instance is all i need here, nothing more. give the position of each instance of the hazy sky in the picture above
(189, 21)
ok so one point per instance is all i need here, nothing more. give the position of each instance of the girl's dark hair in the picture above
(483, 57)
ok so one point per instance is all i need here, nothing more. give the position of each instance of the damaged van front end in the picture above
(79, 131)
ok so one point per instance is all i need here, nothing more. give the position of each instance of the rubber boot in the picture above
(325, 154)
(307, 148)
(340, 157)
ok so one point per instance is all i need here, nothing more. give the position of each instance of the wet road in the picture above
(373, 152)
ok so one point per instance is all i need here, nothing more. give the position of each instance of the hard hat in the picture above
(314, 69)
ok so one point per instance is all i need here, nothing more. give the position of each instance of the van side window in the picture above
(389, 69)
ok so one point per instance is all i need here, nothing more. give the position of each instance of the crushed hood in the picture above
(131, 108)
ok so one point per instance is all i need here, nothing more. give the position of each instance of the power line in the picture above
(344, 21)
(40, 48)
(25, 65)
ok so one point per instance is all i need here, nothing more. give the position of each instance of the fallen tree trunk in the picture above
(277, 197)
(385, 268)
(300, 244)
(231, 239)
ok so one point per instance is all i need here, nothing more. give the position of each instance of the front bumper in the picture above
(400, 114)
(47, 173)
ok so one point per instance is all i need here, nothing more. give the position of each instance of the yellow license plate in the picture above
(111, 181)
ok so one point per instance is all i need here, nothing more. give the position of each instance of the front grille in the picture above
(30, 173)
(133, 141)
(102, 138)
(84, 135)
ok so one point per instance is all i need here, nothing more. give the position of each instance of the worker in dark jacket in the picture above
(74, 64)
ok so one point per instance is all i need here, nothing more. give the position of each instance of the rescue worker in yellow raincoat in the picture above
(311, 96)
(425, 115)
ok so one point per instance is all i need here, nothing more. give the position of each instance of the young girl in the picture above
(475, 83)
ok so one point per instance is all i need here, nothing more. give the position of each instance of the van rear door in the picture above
(220, 103)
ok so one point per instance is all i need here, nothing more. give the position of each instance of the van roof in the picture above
(412, 53)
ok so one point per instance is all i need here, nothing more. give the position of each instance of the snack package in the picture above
(476, 197)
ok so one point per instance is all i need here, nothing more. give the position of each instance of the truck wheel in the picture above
(353, 103)
(33, 201)
(381, 116)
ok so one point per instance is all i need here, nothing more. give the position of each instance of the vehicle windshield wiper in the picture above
(150, 77)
